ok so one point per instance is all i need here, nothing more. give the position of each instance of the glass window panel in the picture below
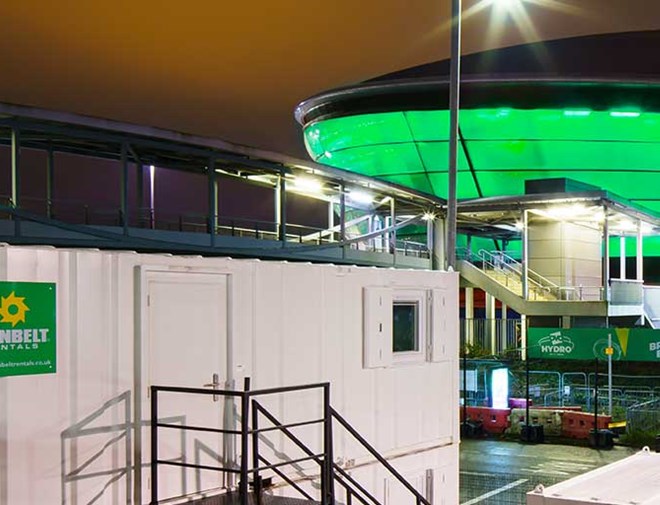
(405, 327)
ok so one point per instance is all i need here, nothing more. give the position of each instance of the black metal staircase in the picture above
(252, 434)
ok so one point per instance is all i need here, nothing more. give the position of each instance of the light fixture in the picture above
(428, 216)
(624, 113)
(577, 113)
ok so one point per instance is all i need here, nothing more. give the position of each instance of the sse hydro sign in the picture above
(27, 328)
(628, 344)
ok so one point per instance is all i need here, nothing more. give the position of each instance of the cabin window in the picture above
(409, 325)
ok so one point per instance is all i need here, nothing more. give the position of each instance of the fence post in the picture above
(327, 479)
(245, 406)
(255, 454)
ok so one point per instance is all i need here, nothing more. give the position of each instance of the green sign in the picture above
(27, 328)
(628, 344)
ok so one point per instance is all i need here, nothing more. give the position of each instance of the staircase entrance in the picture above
(277, 463)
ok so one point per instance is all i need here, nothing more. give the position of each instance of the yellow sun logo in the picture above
(13, 309)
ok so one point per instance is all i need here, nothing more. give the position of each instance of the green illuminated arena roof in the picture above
(603, 133)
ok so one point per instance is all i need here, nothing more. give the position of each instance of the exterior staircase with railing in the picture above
(501, 276)
(256, 423)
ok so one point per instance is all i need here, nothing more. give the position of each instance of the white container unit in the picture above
(632, 480)
(126, 321)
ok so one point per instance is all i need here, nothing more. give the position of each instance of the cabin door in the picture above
(184, 343)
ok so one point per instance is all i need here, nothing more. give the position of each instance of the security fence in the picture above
(553, 388)
(644, 417)
(491, 336)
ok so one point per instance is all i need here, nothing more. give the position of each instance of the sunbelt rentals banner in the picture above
(27, 328)
(628, 344)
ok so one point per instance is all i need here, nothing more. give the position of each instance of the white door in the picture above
(184, 332)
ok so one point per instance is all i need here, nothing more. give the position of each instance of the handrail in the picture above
(378, 456)
(330, 472)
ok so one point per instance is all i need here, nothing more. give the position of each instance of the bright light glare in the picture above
(361, 197)
(428, 216)
(507, 4)
(307, 184)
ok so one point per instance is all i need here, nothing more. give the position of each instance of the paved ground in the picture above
(499, 472)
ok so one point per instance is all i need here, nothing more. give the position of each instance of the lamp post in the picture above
(454, 102)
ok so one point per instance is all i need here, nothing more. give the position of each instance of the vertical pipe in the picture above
(154, 445)
(50, 179)
(454, 101)
(212, 195)
(124, 187)
(525, 255)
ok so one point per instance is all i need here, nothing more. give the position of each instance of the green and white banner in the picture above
(27, 328)
(628, 344)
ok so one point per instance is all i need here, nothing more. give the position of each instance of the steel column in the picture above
(525, 255)
(606, 256)
(15, 166)
(50, 179)
(212, 219)
(640, 252)
(139, 189)
(124, 187)
(622, 256)
(281, 207)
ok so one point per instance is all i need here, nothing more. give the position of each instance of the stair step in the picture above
(234, 499)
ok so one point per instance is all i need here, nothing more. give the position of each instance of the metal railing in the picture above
(538, 286)
(77, 212)
(251, 432)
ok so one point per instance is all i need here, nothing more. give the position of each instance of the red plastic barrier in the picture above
(579, 424)
(571, 408)
(492, 420)
(519, 403)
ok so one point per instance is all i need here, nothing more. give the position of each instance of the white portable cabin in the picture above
(126, 321)
(632, 480)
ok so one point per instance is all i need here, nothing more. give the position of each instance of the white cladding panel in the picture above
(286, 324)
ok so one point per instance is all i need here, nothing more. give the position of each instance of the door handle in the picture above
(214, 385)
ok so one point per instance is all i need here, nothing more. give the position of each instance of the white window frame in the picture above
(419, 297)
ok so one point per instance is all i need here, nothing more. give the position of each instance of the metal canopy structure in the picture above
(571, 108)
